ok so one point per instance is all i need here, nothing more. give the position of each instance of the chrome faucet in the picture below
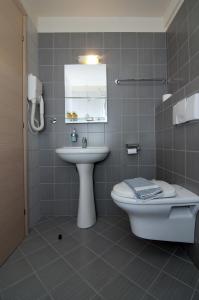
(84, 142)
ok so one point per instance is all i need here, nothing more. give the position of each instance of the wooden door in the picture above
(12, 199)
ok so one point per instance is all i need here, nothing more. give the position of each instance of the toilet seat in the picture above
(174, 194)
(167, 219)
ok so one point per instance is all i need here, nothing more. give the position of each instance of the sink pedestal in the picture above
(84, 158)
(86, 210)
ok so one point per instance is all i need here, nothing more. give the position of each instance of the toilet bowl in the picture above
(171, 218)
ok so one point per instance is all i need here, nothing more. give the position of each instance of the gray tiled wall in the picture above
(131, 114)
(178, 146)
(183, 46)
(33, 140)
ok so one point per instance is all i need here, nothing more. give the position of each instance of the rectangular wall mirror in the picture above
(85, 93)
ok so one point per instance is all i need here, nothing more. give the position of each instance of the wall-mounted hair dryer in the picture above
(35, 97)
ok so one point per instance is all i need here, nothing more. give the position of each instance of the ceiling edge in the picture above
(114, 24)
(171, 12)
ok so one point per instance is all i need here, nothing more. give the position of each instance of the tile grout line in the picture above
(119, 271)
(25, 256)
(195, 290)
(117, 242)
(37, 276)
(158, 275)
(162, 271)
(172, 254)
(75, 271)
(97, 256)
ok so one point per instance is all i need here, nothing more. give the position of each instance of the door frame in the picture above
(25, 122)
(24, 103)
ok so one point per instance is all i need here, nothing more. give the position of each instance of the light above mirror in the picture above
(89, 59)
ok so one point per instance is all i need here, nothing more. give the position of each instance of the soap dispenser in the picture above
(74, 136)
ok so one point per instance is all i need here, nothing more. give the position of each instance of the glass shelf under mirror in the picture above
(85, 110)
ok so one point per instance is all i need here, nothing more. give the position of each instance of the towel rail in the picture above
(119, 81)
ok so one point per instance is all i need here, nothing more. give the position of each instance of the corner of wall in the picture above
(171, 12)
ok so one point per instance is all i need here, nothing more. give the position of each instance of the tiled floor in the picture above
(104, 262)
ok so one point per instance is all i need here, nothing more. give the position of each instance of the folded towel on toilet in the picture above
(143, 188)
(123, 190)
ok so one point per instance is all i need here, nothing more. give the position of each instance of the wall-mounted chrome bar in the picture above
(119, 81)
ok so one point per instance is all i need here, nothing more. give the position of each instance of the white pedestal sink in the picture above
(84, 158)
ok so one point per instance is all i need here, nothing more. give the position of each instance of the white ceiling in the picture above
(98, 8)
(57, 13)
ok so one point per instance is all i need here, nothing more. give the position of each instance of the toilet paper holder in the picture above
(133, 148)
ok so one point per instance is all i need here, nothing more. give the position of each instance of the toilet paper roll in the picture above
(132, 151)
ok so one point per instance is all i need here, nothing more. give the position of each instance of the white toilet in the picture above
(171, 218)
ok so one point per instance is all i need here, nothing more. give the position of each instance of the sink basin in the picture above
(84, 158)
(80, 155)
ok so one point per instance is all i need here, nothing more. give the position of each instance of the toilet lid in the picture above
(123, 190)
